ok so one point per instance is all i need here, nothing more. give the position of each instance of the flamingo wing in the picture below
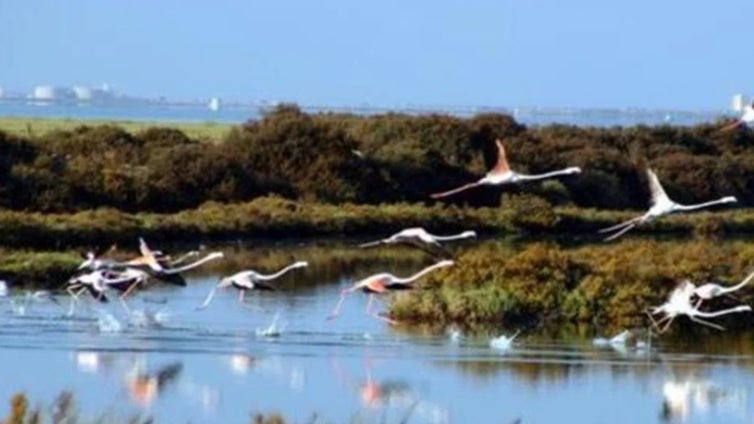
(501, 166)
(399, 286)
(655, 188)
(377, 285)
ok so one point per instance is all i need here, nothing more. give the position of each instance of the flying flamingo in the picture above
(249, 280)
(96, 283)
(712, 290)
(418, 235)
(383, 283)
(661, 205)
(679, 303)
(502, 174)
(746, 119)
(150, 259)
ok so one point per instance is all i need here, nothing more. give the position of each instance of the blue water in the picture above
(241, 113)
(280, 354)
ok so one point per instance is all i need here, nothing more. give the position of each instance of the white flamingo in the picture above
(96, 283)
(249, 280)
(679, 303)
(382, 283)
(661, 205)
(711, 290)
(419, 235)
(501, 173)
(747, 118)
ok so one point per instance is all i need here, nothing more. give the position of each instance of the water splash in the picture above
(273, 330)
(144, 318)
(455, 335)
(107, 323)
(503, 342)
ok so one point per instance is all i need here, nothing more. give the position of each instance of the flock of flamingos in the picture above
(98, 275)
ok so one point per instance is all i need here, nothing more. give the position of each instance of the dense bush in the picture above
(542, 282)
(339, 158)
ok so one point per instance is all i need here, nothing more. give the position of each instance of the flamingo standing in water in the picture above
(679, 303)
(747, 118)
(249, 280)
(417, 236)
(661, 205)
(502, 174)
(383, 283)
(711, 290)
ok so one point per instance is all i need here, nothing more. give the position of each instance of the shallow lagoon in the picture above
(280, 354)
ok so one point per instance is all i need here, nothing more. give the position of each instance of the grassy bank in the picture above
(33, 127)
(275, 217)
(596, 284)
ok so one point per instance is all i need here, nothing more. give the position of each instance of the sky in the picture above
(692, 54)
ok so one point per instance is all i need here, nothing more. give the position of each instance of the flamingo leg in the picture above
(125, 305)
(369, 304)
(698, 303)
(731, 126)
(621, 232)
(335, 312)
(619, 226)
(130, 288)
(242, 300)
(74, 299)
(655, 325)
(707, 323)
(371, 244)
(670, 321)
(455, 190)
(207, 301)
(385, 319)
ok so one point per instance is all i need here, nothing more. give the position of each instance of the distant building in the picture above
(83, 94)
(738, 102)
(50, 93)
(214, 104)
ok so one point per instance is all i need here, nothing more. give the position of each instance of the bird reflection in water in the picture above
(390, 397)
(682, 398)
(240, 363)
(145, 384)
(144, 387)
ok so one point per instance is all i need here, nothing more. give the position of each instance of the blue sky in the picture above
(584, 53)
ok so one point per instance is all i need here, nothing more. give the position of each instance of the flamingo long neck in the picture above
(700, 205)
(737, 286)
(545, 175)
(210, 257)
(275, 275)
(452, 237)
(182, 258)
(419, 274)
(717, 313)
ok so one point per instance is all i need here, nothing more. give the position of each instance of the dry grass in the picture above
(27, 127)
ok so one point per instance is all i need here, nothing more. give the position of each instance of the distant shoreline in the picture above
(166, 112)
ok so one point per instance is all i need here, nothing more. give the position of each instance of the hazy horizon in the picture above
(583, 54)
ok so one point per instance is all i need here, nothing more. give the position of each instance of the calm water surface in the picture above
(240, 114)
(281, 354)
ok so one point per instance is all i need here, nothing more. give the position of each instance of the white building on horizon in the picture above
(51, 93)
(214, 104)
